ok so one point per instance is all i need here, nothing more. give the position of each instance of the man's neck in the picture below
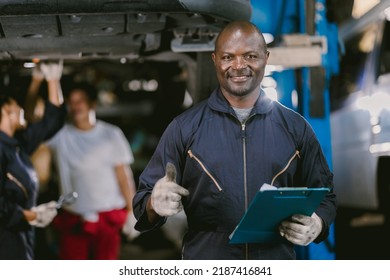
(7, 129)
(85, 125)
(242, 102)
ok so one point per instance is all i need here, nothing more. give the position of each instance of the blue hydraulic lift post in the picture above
(320, 124)
(287, 17)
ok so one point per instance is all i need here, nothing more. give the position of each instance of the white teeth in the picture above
(239, 78)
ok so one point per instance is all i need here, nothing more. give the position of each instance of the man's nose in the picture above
(239, 63)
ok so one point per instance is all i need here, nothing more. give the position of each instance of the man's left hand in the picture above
(300, 229)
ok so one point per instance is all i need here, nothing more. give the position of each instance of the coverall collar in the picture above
(219, 103)
(8, 140)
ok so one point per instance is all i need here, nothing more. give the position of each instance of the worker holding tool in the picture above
(18, 179)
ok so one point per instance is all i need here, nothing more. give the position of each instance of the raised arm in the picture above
(54, 113)
(52, 73)
(31, 100)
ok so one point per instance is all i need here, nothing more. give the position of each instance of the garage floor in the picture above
(362, 236)
(150, 246)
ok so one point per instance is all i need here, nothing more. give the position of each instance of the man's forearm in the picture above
(32, 98)
(55, 92)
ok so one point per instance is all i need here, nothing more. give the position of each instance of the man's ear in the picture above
(213, 57)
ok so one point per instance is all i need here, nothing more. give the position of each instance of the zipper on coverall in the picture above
(243, 137)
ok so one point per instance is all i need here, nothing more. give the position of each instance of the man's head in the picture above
(12, 115)
(81, 102)
(240, 57)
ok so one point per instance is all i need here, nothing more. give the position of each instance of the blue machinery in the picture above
(304, 55)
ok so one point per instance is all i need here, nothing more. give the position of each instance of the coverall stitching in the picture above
(205, 169)
(18, 183)
(296, 154)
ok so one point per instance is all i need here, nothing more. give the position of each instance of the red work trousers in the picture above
(82, 240)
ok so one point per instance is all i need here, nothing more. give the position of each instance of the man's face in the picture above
(240, 60)
(15, 115)
(79, 106)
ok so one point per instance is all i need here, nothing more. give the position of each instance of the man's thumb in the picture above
(170, 172)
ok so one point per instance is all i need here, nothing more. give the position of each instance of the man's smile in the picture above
(239, 77)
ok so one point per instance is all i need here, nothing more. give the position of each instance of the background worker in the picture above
(18, 180)
(93, 159)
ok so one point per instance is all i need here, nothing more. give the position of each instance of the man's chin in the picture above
(77, 119)
(239, 92)
(238, 89)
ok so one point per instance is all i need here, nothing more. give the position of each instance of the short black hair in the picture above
(4, 99)
(242, 24)
(86, 87)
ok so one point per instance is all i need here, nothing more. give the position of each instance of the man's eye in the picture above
(250, 56)
(226, 57)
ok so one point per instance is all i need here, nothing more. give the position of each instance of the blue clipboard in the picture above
(269, 207)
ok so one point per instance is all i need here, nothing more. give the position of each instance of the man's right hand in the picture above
(166, 195)
(45, 213)
(52, 71)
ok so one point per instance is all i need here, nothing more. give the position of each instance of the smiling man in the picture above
(213, 158)
(240, 57)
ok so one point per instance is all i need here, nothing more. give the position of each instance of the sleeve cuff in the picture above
(324, 232)
(143, 223)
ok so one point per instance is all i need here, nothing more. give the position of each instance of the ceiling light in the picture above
(29, 65)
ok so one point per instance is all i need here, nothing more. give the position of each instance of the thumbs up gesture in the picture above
(166, 195)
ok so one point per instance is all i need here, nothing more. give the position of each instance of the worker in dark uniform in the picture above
(222, 150)
(18, 179)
